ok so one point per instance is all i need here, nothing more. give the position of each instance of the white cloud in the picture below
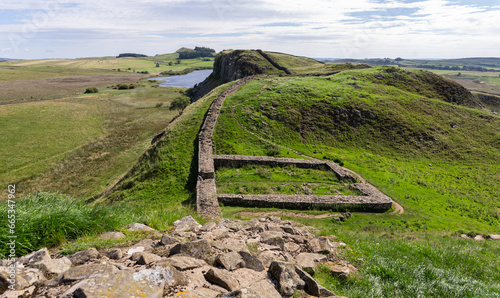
(354, 28)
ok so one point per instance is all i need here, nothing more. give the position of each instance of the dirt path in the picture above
(398, 209)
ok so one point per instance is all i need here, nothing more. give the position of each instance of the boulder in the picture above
(198, 293)
(115, 254)
(186, 224)
(24, 278)
(208, 227)
(288, 280)
(311, 286)
(84, 256)
(292, 247)
(479, 238)
(112, 235)
(308, 261)
(35, 257)
(138, 227)
(28, 292)
(251, 262)
(494, 237)
(124, 283)
(321, 245)
(147, 258)
(340, 270)
(229, 261)
(273, 238)
(167, 240)
(54, 266)
(222, 278)
(181, 262)
(85, 271)
(196, 249)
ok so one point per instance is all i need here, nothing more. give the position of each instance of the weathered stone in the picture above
(24, 277)
(196, 249)
(136, 256)
(167, 240)
(113, 235)
(271, 227)
(84, 256)
(181, 262)
(494, 237)
(85, 271)
(251, 262)
(308, 261)
(465, 236)
(292, 247)
(267, 257)
(138, 227)
(35, 257)
(289, 230)
(288, 280)
(54, 266)
(261, 289)
(222, 278)
(220, 233)
(147, 258)
(311, 286)
(340, 270)
(321, 245)
(273, 238)
(198, 293)
(231, 244)
(28, 292)
(124, 283)
(479, 238)
(115, 254)
(186, 224)
(230, 261)
(208, 227)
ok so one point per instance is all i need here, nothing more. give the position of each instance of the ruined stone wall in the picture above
(274, 63)
(207, 200)
(241, 160)
(306, 202)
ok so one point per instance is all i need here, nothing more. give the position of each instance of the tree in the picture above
(179, 103)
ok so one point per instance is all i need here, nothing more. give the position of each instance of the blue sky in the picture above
(316, 28)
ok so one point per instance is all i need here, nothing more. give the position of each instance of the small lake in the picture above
(188, 80)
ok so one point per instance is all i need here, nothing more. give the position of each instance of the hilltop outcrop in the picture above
(265, 257)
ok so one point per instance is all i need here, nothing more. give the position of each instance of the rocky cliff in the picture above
(230, 66)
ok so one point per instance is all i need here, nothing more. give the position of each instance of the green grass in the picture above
(279, 180)
(439, 160)
(79, 145)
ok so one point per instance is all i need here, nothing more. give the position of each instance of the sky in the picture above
(313, 28)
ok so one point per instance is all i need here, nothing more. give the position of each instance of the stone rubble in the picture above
(265, 257)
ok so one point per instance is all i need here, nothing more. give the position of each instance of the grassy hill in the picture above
(418, 137)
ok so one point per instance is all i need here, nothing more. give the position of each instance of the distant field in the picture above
(78, 145)
(50, 68)
(39, 89)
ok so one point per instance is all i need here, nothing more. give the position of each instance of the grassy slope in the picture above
(80, 144)
(157, 191)
(439, 160)
(424, 152)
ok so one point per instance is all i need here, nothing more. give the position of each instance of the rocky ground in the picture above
(265, 257)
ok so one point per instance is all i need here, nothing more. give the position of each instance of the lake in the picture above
(188, 80)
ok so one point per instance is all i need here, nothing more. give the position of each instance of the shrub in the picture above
(179, 103)
(159, 105)
(91, 90)
(272, 150)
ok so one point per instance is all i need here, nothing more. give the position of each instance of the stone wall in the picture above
(207, 200)
(274, 63)
(306, 202)
(241, 160)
